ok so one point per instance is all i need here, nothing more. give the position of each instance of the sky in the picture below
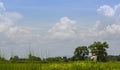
(50, 28)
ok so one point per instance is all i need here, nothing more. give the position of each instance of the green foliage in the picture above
(61, 66)
(2, 59)
(80, 53)
(118, 58)
(99, 49)
(65, 59)
(14, 59)
(54, 59)
(34, 58)
(113, 58)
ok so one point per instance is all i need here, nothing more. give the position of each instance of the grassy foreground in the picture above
(61, 66)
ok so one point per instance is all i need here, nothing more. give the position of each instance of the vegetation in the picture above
(99, 49)
(81, 53)
(79, 61)
(79, 65)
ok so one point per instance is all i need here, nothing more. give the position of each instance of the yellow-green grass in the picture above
(61, 66)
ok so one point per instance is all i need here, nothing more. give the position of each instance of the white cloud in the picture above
(64, 29)
(116, 7)
(3, 27)
(108, 10)
(95, 31)
(15, 31)
(2, 8)
(113, 29)
(91, 31)
(7, 19)
(13, 16)
(13, 35)
(11, 32)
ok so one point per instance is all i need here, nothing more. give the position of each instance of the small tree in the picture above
(54, 59)
(81, 53)
(34, 58)
(65, 59)
(14, 58)
(99, 49)
(2, 57)
(118, 58)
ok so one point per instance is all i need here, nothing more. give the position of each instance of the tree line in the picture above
(81, 53)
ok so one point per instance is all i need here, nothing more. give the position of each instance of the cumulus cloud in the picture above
(13, 35)
(66, 29)
(91, 31)
(63, 29)
(9, 31)
(99, 31)
(116, 7)
(113, 29)
(16, 31)
(2, 8)
(7, 20)
(108, 10)
(13, 16)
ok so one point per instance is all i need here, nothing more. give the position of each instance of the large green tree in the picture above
(81, 53)
(99, 49)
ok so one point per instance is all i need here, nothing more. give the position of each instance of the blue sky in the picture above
(48, 26)
(52, 10)
(48, 11)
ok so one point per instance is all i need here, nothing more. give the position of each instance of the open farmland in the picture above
(61, 66)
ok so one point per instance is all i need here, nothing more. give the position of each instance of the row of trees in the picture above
(99, 49)
(31, 58)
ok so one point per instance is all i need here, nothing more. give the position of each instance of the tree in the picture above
(14, 58)
(34, 58)
(65, 59)
(81, 53)
(54, 59)
(118, 58)
(2, 58)
(99, 49)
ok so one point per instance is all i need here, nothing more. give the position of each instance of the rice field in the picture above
(78, 65)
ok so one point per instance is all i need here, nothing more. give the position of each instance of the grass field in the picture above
(61, 66)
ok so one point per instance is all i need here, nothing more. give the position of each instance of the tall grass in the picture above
(61, 66)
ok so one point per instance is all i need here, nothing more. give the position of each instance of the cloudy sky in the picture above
(56, 27)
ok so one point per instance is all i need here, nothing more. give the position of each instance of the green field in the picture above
(61, 66)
